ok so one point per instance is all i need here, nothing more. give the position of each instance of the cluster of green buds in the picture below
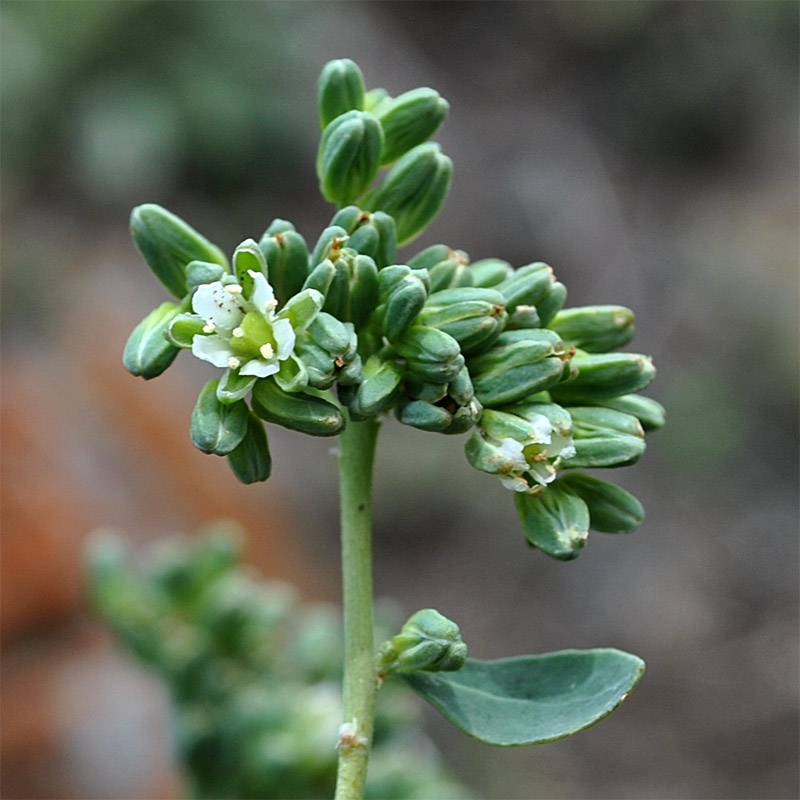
(253, 675)
(316, 338)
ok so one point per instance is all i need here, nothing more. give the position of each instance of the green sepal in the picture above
(168, 244)
(450, 274)
(337, 298)
(217, 428)
(333, 335)
(287, 261)
(320, 278)
(490, 272)
(611, 508)
(375, 98)
(387, 241)
(278, 225)
(605, 375)
(329, 244)
(605, 437)
(365, 239)
(431, 256)
(248, 257)
(528, 285)
(297, 411)
(380, 386)
(251, 462)
(551, 303)
(595, 329)
(302, 308)
(201, 272)
(147, 352)
(349, 218)
(340, 89)
(292, 375)
(423, 415)
(650, 413)
(531, 699)
(414, 190)
(363, 290)
(410, 119)
(389, 277)
(517, 383)
(524, 317)
(430, 354)
(556, 521)
(349, 156)
(487, 457)
(233, 386)
(183, 329)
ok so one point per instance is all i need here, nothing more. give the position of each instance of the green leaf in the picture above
(531, 699)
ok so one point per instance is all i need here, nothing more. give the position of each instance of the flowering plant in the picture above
(329, 340)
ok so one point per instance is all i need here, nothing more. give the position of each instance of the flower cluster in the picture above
(316, 338)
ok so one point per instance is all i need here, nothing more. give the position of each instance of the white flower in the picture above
(240, 333)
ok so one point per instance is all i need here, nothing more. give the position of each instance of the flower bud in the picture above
(430, 354)
(556, 521)
(148, 352)
(298, 411)
(528, 285)
(320, 278)
(595, 329)
(611, 509)
(349, 156)
(431, 256)
(287, 260)
(438, 418)
(250, 461)
(363, 290)
(605, 437)
(409, 120)
(490, 272)
(340, 89)
(403, 306)
(414, 190)
(278, 225)
(329, 245)
(217, 428)
(349, 218)
(379, 387)
(524, 317)
(168, 244)
(551, 303)
(605, 375)
(375, 98)
(650, 413)
(428, 641)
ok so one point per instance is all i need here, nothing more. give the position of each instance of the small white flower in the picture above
(241, 333)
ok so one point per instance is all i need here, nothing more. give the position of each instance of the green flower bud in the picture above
(287, 260)
(321, 278)
(340, 89)
(474, 317)
(605, 438)
(524, 317)
(349, 218)
(148, 352)
(379, 388)
(250, 461)
(298, 411)
(414, 190)
(595, 329)
(403, 306)
(490, 272)
(409, 120)
(387, 241)
(349, 156)
(605, 375)
(217, 428)
(445, 418)
(449, 274)
(332, 335)
(337, 298)
(430, 354)
(389, 277)
(432, 255)
(528, 285)
(200, 272)
(168, 244)
(556, 521)
(650, 413)
(551, 303)
(428, 641)
(375, 98)
(611, 509)
(365, 239)
(363, 290)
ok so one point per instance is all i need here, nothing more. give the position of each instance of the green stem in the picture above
(357, 445)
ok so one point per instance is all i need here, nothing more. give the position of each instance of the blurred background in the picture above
(648, 151)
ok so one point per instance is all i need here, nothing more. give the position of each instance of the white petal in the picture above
(515, 484)
(262, 297)
(285, 338)
(214, 304)
(259, 368)
(543, 473)
(213, 349)
(562, 446)
(512, 450)
(544, 428)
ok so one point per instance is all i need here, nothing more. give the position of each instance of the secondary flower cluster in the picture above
(310, 338)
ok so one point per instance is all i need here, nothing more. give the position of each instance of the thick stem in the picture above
(357, 445)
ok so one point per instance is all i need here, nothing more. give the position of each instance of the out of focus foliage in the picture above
(253, 675)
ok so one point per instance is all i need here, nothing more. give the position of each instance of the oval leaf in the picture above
(531, 699)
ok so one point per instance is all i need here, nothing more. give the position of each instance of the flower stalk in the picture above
(357, 454)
